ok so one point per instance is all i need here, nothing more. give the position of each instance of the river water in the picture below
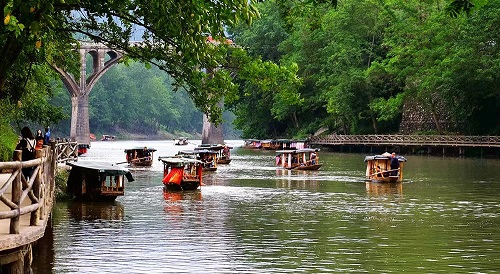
(254, 218)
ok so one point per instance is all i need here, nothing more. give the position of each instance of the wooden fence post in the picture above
(35, 215)
(16, 194)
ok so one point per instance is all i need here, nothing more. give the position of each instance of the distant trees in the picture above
(360, 61)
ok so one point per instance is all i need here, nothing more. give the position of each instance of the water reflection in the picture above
(381, 189)
(297, 179)
(81, 211)
(253, 218)
(176, 200)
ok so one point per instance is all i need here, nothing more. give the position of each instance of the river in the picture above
(254, 218)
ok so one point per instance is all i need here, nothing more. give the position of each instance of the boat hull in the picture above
(210, 169)
(183, 186)
(389, 179)
(223, 161)
(309, 167)
(142, 163)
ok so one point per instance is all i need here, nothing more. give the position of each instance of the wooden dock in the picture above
(454, 144)
(26, 204)
(407, 140)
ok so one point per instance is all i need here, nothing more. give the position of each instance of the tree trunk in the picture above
(9, 53)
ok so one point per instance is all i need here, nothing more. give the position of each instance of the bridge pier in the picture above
(211, 133)
(80, 128)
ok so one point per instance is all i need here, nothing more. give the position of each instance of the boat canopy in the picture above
(212, 146)
(178, 160)
(105, 168)
(297, 151)
(383, 157)
(150, 149)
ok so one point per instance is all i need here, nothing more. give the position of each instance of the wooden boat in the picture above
(378, 168)
(97, 181)
(83, 149)
(208, 157)
(182, 141)
(223, 152)
(298, 159)
(107, 137)
(270, 145)
(180, 173)
(139, 156)
(252, 143)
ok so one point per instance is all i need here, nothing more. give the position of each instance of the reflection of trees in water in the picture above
(297, 179)
(175, 200)
(96, 211)
(380, 189)
(43, 251)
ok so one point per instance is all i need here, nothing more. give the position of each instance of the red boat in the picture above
(181, 173)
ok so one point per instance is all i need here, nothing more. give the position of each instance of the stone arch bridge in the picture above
(103, 58)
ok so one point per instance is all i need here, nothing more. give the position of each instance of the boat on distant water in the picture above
(379, 170)
(298, 159)
(106, 137)
(208, 157)
(252, 143)
(182, 141)
(97, 181)
(223, 152)
(83, 149)
(139, 156)
(271, 144)
(180, 173)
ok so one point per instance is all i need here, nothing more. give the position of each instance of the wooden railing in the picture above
(408, 140)
(66, 151)
(26, 203)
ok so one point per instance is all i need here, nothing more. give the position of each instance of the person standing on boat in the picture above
(394, 164)
(146, 154)
(313, 158)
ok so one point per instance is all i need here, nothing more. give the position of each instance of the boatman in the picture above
(313, 158)
(146, 154)
(394, 164)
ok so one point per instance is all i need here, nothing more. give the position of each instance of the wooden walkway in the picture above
(26, 203)
(408, 140)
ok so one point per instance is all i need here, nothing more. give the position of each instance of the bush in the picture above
(61, 184)
(8, 141)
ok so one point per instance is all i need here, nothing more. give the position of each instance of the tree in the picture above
(174, 38)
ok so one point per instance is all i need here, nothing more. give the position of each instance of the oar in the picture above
(376, 173)
(134, 160)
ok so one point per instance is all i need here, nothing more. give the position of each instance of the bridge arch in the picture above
(103, 58)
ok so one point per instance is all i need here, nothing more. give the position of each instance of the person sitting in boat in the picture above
(301, 162)
(394, 164)
(379, 172)
(210, 161)
(313, 158)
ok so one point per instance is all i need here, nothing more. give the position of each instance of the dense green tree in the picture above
(174, 38)
(362, 60)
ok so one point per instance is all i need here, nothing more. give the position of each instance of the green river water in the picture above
(254, 218)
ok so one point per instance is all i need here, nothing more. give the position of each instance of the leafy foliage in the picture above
(362, 60)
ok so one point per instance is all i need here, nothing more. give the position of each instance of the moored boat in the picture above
(385, 168)
(97, 181)
(180, 173)
(139, 156)
(298, 159)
